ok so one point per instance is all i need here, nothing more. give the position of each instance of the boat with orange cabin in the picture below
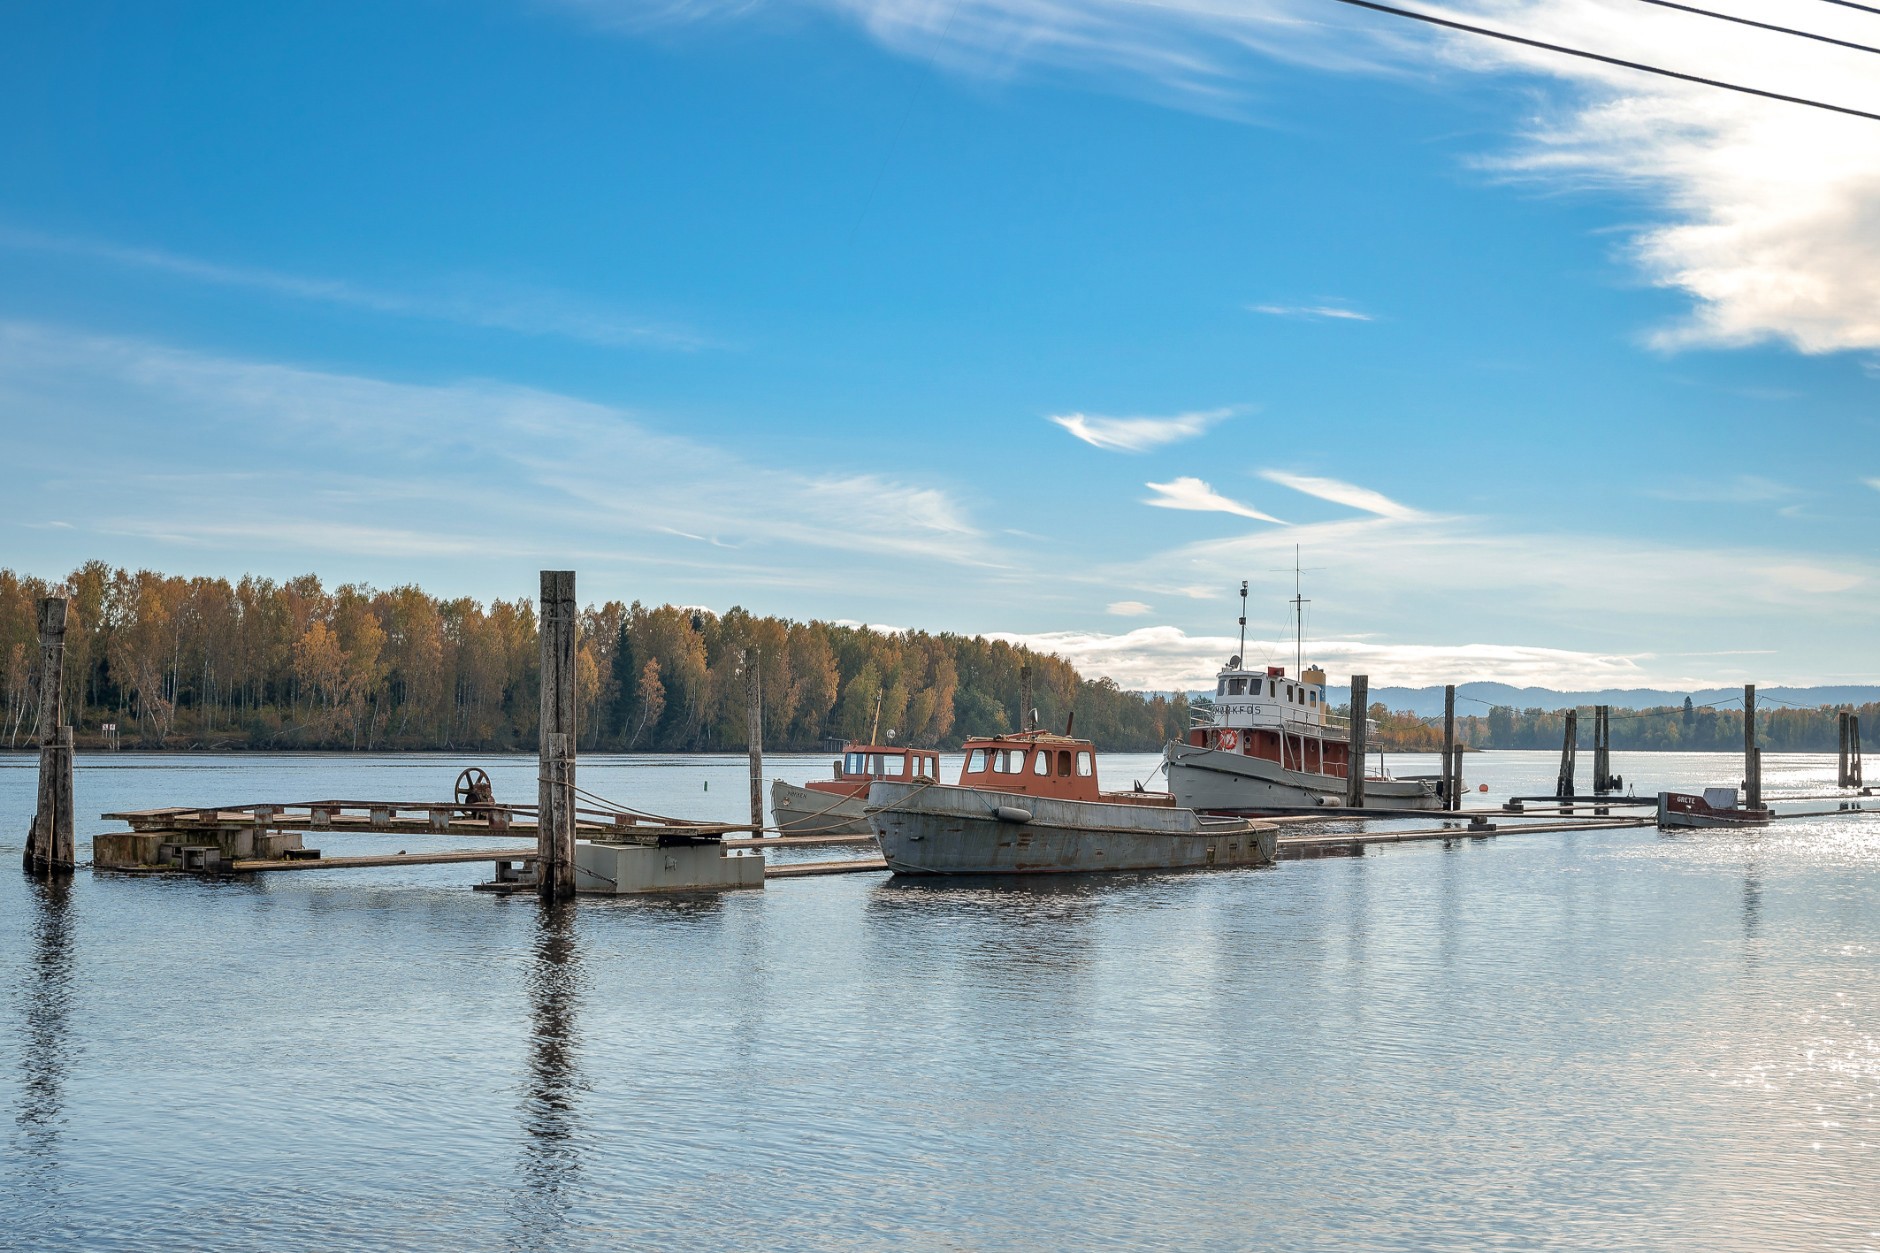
(1029, 802)
(834, 806)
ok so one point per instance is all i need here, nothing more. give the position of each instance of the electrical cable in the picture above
(1770, 26)
(1601, 57)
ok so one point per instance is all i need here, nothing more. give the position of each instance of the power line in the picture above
(1505, 36)
(1849, 4)
(1745, 21)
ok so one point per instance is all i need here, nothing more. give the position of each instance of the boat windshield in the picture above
(875, 765)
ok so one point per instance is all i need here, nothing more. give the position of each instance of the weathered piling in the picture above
(555, 780)
(1602, 750)
(50, 845)
(1450, 773)
(754, 716)
(1569, 749)
(1456, 785)
(1752, 755)
(1848, 773)
(1356, 748)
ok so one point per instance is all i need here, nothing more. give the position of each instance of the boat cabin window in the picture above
(1041, 762)
(1236, 687)
(1256, 687)
(976, 764)
(1220, 689)
(1064, 763)
(1008, 761)
(1312, 698)
(1084, 765)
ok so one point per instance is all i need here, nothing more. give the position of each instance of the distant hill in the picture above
(1473, 698)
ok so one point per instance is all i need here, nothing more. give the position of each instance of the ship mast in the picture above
(1241, 656)
(1299, 619)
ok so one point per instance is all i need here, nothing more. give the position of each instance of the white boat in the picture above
(1272, 744)
(1716, 807)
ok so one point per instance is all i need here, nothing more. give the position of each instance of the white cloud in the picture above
(505, 307)
(1873, 483)
(1314, 312)
(1138, 434)
(1740, 489)
(460, 469)
(1189, 493)
(1347, 494)
(1766, 214)
(1129, 609)
(1165, 658)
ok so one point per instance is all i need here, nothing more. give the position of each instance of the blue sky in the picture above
(1055, 320)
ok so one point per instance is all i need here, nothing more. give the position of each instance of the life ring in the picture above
(1227, 739)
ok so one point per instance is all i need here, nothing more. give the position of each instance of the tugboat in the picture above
(1028, 802)
(1717, 807)
(1270, 744)
(834, 806)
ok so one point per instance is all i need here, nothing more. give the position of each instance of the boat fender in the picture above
(1012, 813)
(1331, 802)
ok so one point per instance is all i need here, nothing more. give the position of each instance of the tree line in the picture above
(1666, 728)
(179, 662)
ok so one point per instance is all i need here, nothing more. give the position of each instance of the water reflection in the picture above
(551, 1162)
(46, 999)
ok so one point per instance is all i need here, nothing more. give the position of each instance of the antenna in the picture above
(1299, 614)
(1242, 654)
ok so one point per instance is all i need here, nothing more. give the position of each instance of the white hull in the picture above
(805, 811)
(1214, 781)
(940, 830)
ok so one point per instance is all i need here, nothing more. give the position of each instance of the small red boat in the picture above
(1714, 807)
(833, 806)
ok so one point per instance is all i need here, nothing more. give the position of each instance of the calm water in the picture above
(1591, 1040)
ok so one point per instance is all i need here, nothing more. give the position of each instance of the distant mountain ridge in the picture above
(1475, 698)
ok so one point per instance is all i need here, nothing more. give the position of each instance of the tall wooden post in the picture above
(1752, 756)
(1356, 748)
(50, 845)
(1450, 799)
(1853, 751)
(555, 782)
(1455, 775)
(1602, 749)
(1569, 749)
(1840, 760)
(754, 730)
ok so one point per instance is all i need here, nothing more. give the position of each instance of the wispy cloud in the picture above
(1191, 493)
(1873, 483)
(1129, 609)
(493, 306)
(1166, 658)
(529, 470)
(1761, 212)
(1735, 490)
(1139, 434)
(1313, 312)
(1348, 494)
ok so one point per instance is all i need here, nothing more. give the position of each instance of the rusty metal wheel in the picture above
(474, 792)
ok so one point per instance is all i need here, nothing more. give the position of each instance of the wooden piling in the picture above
(1356, 748)
(1450, 773)
(1752, 757)
(1569, 749)
(1854, 771)
(1602, 749)
(1456, 786)
(754, 730)
(555, 781)
(50, 844)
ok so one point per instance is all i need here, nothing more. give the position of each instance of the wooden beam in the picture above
(556, 755)
(754, 732)
(1356, 748)
(50, 846)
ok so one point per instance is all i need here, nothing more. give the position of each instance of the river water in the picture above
(1605, 1039)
